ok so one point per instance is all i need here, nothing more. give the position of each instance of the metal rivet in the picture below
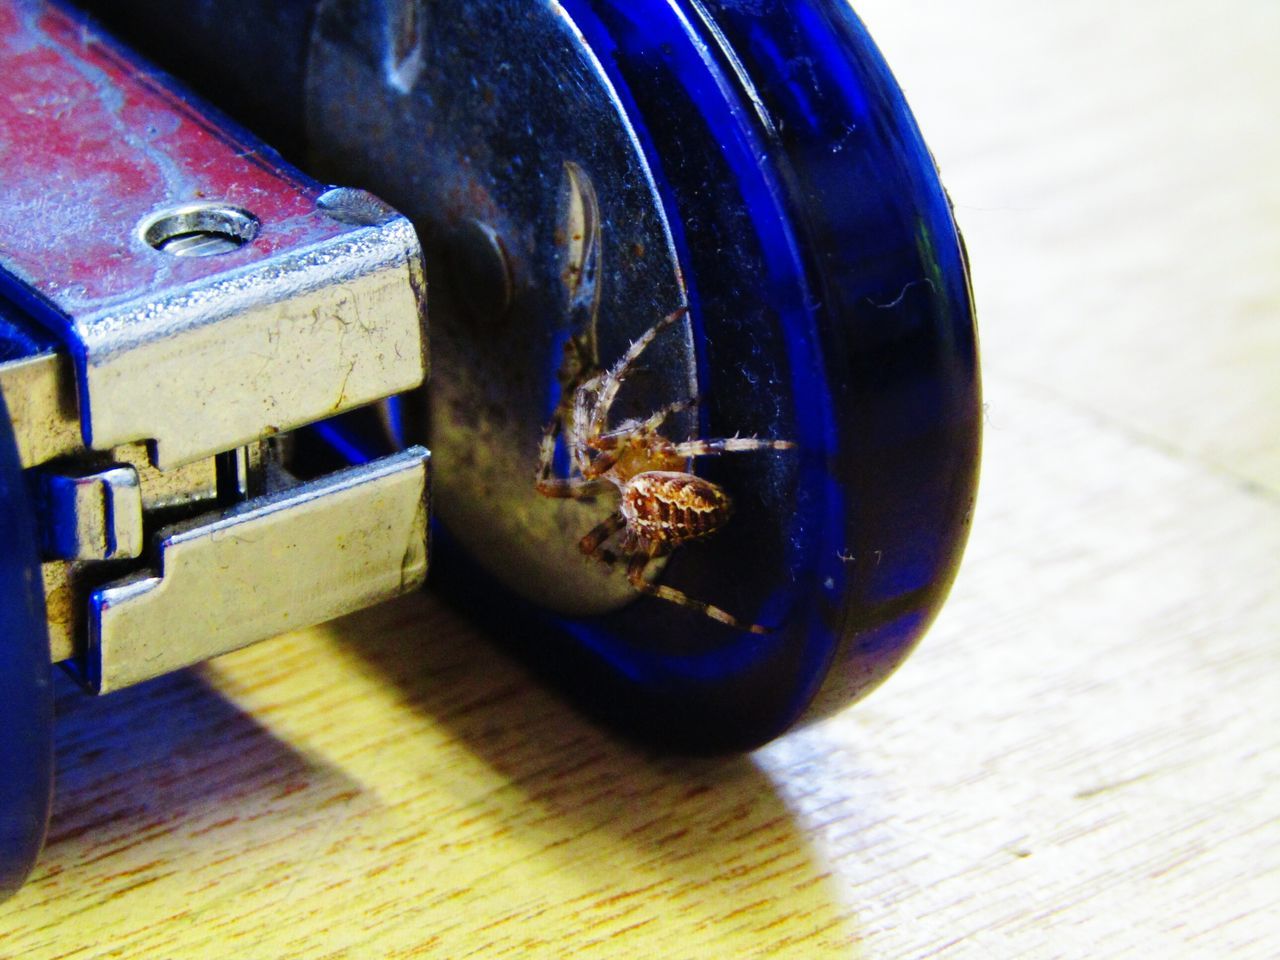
(199, 230)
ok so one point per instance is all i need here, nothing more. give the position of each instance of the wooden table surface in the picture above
(1081, 761)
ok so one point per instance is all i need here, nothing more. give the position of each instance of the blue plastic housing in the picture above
(830, 295)
(26, 699)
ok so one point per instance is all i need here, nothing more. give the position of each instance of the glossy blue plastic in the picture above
(26, 705)
(831, 303)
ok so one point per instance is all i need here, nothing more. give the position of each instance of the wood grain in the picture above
(1081, 761)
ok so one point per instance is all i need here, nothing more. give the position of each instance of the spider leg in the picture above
(612, 379)
(662, 414)
(579, 378)
(635, 574)
(582, 413)
(547, 449)
(573, 487)
(595, 539)
(711, 448)
(649, 425)
(575, 368)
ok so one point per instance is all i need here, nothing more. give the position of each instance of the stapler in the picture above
(700, 436)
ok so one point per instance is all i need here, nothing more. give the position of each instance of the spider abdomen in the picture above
(663, 508)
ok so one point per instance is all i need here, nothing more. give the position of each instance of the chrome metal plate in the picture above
(208, 294)
(329, 546)
(495, 129)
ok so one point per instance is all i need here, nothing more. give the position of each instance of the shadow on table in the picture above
(163, 788)
(704, 846)
(163, 763)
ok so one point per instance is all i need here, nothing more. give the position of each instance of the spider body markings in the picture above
(661, 503)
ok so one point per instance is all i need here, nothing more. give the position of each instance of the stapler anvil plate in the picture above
(704, 406)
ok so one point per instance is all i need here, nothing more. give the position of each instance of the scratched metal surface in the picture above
(75, 190)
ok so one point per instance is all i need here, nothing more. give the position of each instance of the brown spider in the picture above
(662, 504)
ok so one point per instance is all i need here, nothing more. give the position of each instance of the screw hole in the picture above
(200, 230)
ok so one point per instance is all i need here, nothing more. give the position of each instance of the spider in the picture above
(662, 505)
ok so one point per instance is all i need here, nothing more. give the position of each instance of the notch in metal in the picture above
(280, 562)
